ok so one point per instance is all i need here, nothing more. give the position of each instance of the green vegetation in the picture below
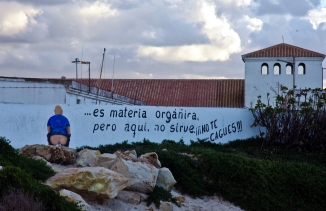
(275, 178)
(272, 179)
(160, 194)
(21, 177)
(295, 120)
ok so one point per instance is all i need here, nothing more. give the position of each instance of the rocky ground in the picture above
(124, 200)
(211, 203)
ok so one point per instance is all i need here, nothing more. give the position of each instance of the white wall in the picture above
(94, 125)
(19, 91)
(42, 92)
(258, 84)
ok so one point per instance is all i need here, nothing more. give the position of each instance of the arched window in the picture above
(277, 69)
(289, 69)
(264, 69)
(302, 69)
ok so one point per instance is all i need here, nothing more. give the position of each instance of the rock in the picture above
(0, 167)
(41, 158)
(152, 157)
(129, 197)
(94, 184)
(88, 157)
(131, 153)
(165, 206)
(142, 176)
(106, 160)
(165, 179)
(124, 156)
(180, 199)
(53, 154)
(58, 168)
(143, 196)
(74, 197)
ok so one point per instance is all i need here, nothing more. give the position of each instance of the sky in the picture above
(151, 39)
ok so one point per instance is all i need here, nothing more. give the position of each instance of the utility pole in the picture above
(76, 61)
(98, 84)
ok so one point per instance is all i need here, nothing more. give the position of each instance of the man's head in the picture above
(58, 110)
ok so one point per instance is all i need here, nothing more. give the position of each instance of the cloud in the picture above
(223, 41)
(253, 24)
(97, 9)
(38, 2)
(16, 19)
(151, 39)
(283, 7)
(316, 17)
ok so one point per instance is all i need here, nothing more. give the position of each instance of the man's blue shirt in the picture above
(58, 124)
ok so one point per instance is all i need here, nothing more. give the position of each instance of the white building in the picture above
(283, 64)
(57, 91)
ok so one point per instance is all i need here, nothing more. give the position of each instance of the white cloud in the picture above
(98, 9)
(16, 19)
(3, 56)
(316, 17)
(196, 76)
(141, 75)
(253, 24)
(223, 40)
(149, 34)
(238, 3)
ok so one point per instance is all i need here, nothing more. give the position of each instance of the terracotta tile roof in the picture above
(178, 92)
(283, 50)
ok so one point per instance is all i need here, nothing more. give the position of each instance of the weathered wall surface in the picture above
(94, 125)
(18, 91)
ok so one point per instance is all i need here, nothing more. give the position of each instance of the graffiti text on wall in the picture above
(170, 122)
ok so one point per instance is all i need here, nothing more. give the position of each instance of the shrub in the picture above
(6, 151)
(17, 199)
(296, 119)
(259, 185)
(160, 194)
(14, 177)
(187, 173)
(10, 157)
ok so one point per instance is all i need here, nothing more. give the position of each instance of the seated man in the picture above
(58, 129)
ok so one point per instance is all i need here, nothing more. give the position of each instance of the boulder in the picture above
(142, 176)
(165, 179)
(152, 157)
(106, 160)
(131, 153)
(165, 206)
(88, 157)
(124, 156)
(129, 197)
(180, 199)
(53, 154)
(74, 197)
(41, 158)
(94, 184)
